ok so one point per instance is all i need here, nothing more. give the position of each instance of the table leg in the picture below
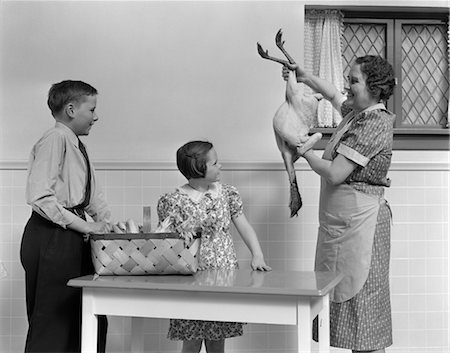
(89, 324)
(304, 326)
(324, 325)
(137, 335)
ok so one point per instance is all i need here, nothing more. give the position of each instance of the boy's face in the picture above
(83, 115)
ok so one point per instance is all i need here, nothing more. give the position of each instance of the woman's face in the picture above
(212, 166)
(358, 97)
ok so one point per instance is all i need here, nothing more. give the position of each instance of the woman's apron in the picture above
(347, 219)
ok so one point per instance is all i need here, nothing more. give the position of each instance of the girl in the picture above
(204, 204)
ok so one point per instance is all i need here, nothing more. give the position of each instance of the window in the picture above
(416, 44)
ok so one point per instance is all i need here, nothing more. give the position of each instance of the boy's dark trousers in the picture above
(51, 256)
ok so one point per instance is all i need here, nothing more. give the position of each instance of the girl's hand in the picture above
(258, 264)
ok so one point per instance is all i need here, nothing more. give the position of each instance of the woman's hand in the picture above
(305, 153)
(258, 264)
(300, 74)
(285, 72)
(306, 145)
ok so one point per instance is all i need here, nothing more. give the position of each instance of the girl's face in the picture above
(84, 115)
(213, 167)
(358, 97)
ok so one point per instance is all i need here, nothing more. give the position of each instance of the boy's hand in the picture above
(99, 227)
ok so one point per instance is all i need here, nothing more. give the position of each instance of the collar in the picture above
(350, 116)
(373, 107)
(68, 131)
(195, 195)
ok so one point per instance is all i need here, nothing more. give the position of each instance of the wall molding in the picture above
(230, 166)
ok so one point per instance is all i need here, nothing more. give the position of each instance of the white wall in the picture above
(166, 72)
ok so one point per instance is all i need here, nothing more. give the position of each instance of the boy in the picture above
(61, 187)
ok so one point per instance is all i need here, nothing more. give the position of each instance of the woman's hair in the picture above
(68, 91)
(380, 76)
(191, 159)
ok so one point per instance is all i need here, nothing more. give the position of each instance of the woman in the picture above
(354, 231)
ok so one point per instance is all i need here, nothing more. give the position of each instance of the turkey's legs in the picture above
(280, 44)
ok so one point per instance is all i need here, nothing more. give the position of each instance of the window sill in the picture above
(404, 139)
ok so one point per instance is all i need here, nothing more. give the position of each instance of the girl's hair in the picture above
(380, 76)
(191, 159)
(68, 91)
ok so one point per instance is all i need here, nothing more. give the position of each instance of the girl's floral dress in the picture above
(211, 214)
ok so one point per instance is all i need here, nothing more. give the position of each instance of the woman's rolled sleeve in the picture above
(353, 155)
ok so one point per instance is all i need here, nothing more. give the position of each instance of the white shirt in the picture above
(57, 178)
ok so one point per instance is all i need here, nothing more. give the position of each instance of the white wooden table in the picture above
(276, 297)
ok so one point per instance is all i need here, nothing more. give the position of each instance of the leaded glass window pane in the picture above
(361, 39)
(425, 85)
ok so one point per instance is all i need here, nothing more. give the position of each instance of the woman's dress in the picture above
(363, 322)
(211, 213)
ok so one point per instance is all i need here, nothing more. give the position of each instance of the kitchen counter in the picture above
(243, 295)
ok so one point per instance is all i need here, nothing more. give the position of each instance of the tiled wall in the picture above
(419, 263)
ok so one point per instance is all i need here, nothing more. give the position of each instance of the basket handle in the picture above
(146, 220)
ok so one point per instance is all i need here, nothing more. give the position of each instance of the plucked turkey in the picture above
(292, 123)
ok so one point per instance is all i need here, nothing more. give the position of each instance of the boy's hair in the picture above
(68, 91)
(380, 76)
(191, 159)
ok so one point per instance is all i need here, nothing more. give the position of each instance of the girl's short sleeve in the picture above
(365, 138)
(234, 200)
(164, 207)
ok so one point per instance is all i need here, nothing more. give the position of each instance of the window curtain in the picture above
(323, 56)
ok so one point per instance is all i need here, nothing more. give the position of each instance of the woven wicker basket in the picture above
(143, 254)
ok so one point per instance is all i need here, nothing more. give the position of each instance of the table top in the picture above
(297, 283)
